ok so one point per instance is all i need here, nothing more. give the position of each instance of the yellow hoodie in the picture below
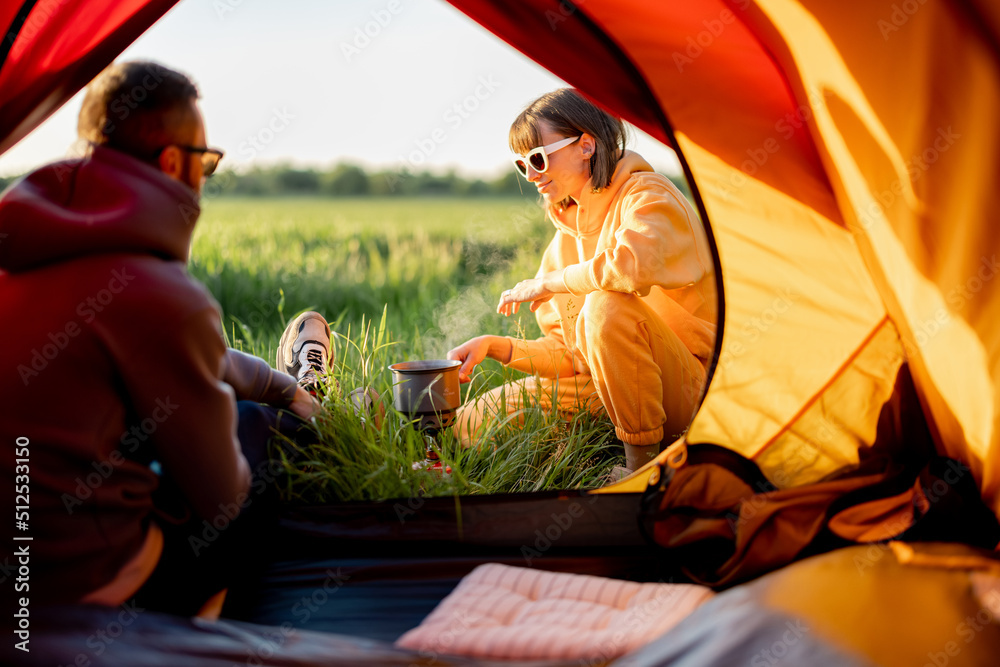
(639, 235)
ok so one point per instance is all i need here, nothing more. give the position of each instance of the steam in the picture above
(461, 318)
(487, 249)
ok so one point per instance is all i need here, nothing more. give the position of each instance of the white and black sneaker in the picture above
(304, 351)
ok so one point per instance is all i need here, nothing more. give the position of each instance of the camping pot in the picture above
(428, 391)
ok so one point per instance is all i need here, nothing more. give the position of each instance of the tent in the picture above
(843, 156)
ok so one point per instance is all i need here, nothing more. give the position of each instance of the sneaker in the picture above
(304, 351)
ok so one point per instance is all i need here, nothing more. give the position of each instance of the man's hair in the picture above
(571, 114)
(137, 108)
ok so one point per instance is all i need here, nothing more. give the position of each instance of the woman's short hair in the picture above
(137, 107)
(570, 114)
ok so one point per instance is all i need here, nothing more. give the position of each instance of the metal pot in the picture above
(427, 390)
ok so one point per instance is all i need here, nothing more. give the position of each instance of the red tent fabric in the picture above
(52, 49)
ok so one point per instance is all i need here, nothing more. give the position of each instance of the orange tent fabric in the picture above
(852, 222)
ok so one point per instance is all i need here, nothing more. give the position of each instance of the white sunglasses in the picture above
(538, 158)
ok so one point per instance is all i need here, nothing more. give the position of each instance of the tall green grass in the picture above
(398, 280)
(369, 452)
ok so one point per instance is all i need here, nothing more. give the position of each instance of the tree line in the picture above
(351, 180)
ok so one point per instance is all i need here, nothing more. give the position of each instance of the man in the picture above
(115, 359)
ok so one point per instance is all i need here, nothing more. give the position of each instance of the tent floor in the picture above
(854, 607)
(381, 598)
(359, 570)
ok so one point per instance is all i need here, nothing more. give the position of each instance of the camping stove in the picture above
(428, 392)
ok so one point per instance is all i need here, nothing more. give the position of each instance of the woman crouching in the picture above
(625, 294)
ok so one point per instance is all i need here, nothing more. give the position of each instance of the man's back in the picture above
(114, 355)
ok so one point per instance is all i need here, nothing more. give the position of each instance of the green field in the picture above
(437, 265)
(398, 279)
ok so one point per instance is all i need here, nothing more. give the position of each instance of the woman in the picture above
(624, 296)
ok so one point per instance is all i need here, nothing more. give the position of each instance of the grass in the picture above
(399, 279)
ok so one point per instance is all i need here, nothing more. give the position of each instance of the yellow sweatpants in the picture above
(641, 374)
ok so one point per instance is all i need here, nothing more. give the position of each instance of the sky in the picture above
(383, 83)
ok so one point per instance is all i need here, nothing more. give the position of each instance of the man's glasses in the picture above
(210, 157)
(538, 158)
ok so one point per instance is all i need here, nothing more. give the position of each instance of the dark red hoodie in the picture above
(113, 357)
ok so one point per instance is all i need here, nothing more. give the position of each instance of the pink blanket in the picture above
(505, 612)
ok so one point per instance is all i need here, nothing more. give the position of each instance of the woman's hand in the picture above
(472, 352)
(535, 290)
